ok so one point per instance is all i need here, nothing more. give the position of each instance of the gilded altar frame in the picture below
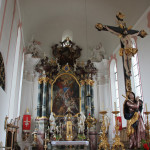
(52, 91)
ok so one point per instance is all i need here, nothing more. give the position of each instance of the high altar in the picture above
(65, 98)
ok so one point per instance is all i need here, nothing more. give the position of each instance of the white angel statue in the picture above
(52, 122)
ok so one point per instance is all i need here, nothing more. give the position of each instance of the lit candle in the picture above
(102, 105)
(146, 106)
(115, 106)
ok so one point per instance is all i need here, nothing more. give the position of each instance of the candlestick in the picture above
(102, 106)
(117, 142)
(103, 138)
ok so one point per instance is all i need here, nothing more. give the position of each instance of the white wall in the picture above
(144, 57)
(9, 21)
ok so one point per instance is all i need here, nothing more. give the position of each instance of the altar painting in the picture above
(65, 95)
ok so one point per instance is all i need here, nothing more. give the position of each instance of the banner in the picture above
(26, 122)
(119, 120)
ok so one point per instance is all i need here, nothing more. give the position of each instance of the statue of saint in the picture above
(135, 125)
(69, 132)
(98, 53)
(81, 123)
(52, 123)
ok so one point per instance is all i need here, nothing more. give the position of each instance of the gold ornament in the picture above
(147, 127)
(104, 141)
(89, 82)
(121, 52)
(99, 26)
(40, 80)
(82, 82)
(143, 33)
(117, 142)
(45, 79)
(90, 121)
(120, 15)
(128, 86)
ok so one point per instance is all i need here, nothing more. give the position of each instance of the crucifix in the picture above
(127, 50)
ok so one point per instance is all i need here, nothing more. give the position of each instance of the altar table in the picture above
(70, 143)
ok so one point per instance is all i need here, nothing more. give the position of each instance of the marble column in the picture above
(49, 97)
(92, 101)
(44, 102)
(39, 102)
(89, 103)
(83, 96)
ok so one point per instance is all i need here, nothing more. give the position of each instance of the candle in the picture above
(115, 106)
(45, 135)
(146, 107)
(102, 105)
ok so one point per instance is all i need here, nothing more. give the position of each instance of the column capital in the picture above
(89, 82)
(40, 80)
(45, 79)
(82, 82)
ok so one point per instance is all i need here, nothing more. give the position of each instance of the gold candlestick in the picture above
(117, 142)
(46, 140)
(104, 141)
(147, 127)
(90, 121)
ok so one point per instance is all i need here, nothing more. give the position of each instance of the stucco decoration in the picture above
(2, 72)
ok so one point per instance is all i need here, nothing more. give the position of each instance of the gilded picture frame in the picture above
(65, 93)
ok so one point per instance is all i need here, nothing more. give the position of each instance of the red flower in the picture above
(146, 146)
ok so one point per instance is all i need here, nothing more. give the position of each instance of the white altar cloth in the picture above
(57, 143)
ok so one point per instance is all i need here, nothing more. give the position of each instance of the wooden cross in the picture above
(127, 51)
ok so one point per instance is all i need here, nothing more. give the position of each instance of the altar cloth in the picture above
(57, 143)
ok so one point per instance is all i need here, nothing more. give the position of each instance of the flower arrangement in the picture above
(145, 145)
(81, 137)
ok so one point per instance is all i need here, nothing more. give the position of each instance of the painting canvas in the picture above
(65, 95)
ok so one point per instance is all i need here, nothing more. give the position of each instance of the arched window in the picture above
(14, 76)
(114, 85)
(137, 87)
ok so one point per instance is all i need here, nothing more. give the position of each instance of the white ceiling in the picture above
(46, 20)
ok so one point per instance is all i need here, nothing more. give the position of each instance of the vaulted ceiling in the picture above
(47, 20)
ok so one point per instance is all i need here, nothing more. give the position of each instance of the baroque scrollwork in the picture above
(66, 52)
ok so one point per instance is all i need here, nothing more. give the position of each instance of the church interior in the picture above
(74, 74)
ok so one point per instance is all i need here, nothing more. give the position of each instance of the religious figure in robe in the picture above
(98, 53)
(135, 124)
(81, 123)
(52, 123)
